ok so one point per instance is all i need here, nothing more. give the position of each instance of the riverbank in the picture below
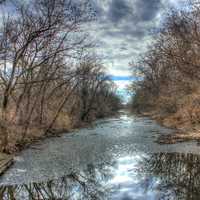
(5, 162)
(114, 153)
(36, 134)
(182, 131)
(168, 83)
(105, 145)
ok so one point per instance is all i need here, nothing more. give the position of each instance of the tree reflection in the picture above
(177, 172)
(89, 184)
(159, 176)
(72, 186)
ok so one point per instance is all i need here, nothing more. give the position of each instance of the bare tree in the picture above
(35, 47)
(45, 68)
(170, 68)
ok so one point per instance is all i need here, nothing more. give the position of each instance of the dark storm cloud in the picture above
(135, 10)
(118, 9)
(97, 7)
(131, 17)
(125, 27)
(148, 9)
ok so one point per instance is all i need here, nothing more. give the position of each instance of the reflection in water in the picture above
(157, 176)
(179, 173)
(72, 186)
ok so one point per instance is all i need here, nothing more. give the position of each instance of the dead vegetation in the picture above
(169, 88)
(49, 80)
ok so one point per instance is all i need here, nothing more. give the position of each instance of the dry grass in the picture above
(179, 137)
(187, 115)
(186, 118)
(15, 133)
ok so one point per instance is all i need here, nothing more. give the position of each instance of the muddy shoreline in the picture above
(182, 133)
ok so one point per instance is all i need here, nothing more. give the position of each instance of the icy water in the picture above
(116, 158)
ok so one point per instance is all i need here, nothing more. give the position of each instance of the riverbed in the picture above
(115, 158)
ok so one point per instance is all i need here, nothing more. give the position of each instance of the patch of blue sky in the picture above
(122, 83)
(121, 78)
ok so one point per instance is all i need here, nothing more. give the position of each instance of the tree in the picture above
(171, 67)
(35, 48)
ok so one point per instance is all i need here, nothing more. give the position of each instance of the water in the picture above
(116, 158)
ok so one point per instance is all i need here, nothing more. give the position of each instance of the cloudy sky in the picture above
(124, 28)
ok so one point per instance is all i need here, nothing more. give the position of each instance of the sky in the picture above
(124, 29)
